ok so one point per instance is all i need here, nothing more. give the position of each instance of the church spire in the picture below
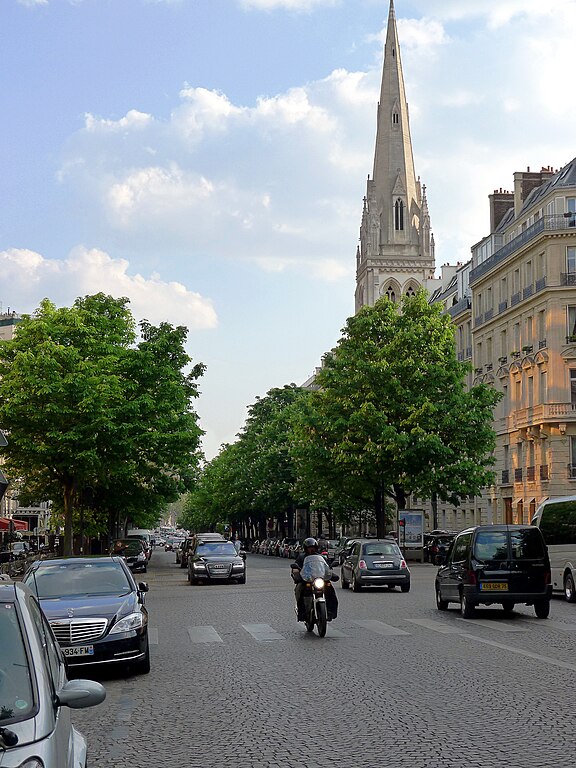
(396, 253)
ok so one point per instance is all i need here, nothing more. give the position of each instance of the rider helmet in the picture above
(310, 543)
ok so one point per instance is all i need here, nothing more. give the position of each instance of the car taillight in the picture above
(362, 565)
(547, 578)
(403, 564)
(472, 577)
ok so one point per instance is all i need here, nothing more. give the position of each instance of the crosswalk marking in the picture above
(204, 635)
(437, 626)
(263, 633)
(380, 628)
(499, 626)
(333, 632)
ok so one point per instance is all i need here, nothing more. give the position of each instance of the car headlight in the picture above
(132, 621)
(199, 565)
(238, 565)
(319, 583)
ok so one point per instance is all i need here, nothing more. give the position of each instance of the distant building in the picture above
(8, 322)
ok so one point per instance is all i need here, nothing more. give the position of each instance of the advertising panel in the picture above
(411, 528)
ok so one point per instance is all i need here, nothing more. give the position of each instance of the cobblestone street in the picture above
(237, 681)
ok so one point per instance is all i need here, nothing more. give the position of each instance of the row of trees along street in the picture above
(99, 414)
(390, 416)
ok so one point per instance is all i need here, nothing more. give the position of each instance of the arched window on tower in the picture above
(398, 215)
(410, 292)
(395, 118)
(391, 294)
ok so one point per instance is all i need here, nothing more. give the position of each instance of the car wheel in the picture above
(508, 606)
(442, 605)
(191, 579)
(405, 587)
(344, 584)
(242, 580)
(143, 667)
(542, 609)
(355, 586)
(569, 588)
(466, 607)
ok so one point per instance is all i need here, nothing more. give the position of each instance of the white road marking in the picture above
(380, 628)
(437, 626)
(499, 626)
(153, 635)
(204, 635)
(263, 633)
(523, 652)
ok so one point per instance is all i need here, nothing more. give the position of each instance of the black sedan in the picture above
(132, 550)
(95, 609)
(377, 563)
(215, 561)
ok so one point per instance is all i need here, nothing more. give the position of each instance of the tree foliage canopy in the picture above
(91, 408)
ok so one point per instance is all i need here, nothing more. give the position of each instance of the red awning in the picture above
(19, 525)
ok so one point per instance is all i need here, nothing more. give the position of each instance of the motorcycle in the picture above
(316, 576)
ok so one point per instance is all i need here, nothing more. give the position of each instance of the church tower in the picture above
(396, 251)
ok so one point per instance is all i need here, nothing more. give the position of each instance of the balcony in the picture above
(527, 292)
(542, 344)
(503, 306)
(488, 315)
(568, 278)
(503, 360)
(542, 414)
(459, 307)
(530, 474)
(516, 299)
(572, 471)
(478, 320)
(518, 475)
(544, 224)
(540, 284)
(544, 472)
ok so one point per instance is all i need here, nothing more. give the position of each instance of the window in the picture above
(516, 281)
(518, 393)
(516, 337)
(391, 294)
(491, 545)
(395, 118)
(573, 386)
(526, 545)
(571, 259)
(542, 325)
(558, 522)
(503, 289)
(410, 292)
(572, 323)
(529, 275)
(530, 391)
(543, 386)
(506, 457)
(571, 208)
(503, 344)
(399, 215)
(461, 546)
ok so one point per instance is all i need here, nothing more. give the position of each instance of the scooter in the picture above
(316, 575)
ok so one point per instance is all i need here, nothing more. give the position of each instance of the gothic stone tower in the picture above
(396, 251)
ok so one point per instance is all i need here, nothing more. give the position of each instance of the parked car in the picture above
(35, 694)
(376, 563)
(145, 541)
(436, 547)
(254, 547)
(132, 550)
(96, 610)
(341, 546)
(215, 561)
(182, 551)
(172, 543)
(496, 564)
(263, 546)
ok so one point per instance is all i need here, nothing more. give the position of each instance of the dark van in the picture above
(505, 564)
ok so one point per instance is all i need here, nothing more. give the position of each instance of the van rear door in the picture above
(530, 568)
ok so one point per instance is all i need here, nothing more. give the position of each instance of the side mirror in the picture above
(79, 694)
(143, 587)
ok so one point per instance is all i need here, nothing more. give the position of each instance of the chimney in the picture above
(500, 203)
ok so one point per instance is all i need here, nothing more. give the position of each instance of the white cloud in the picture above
(32, 3)
(88, 271)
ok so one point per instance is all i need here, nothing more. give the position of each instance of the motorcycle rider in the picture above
(310, 547)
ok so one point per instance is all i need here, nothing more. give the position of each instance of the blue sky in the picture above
(208, 158)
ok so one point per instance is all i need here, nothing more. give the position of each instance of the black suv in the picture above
(505, 564)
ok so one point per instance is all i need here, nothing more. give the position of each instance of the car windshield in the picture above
(60, 579)
(315, 567)
(216, 548)
(16, 698)
(380, 548)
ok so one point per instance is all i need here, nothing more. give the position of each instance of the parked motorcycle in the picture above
(316, 577)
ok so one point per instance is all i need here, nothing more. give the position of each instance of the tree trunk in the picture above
(68, 526)
(380, 510)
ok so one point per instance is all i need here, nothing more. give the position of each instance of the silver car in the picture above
(35, 695)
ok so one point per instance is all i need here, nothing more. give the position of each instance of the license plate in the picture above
(383, 565)
(79, 650)
(493, 586)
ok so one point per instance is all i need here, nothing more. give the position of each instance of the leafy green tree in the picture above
(392, 415)
(89, 409)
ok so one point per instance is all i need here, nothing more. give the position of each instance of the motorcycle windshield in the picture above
(315, 567)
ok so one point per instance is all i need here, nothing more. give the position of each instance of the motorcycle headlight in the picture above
(132, 621)
(319, 583)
